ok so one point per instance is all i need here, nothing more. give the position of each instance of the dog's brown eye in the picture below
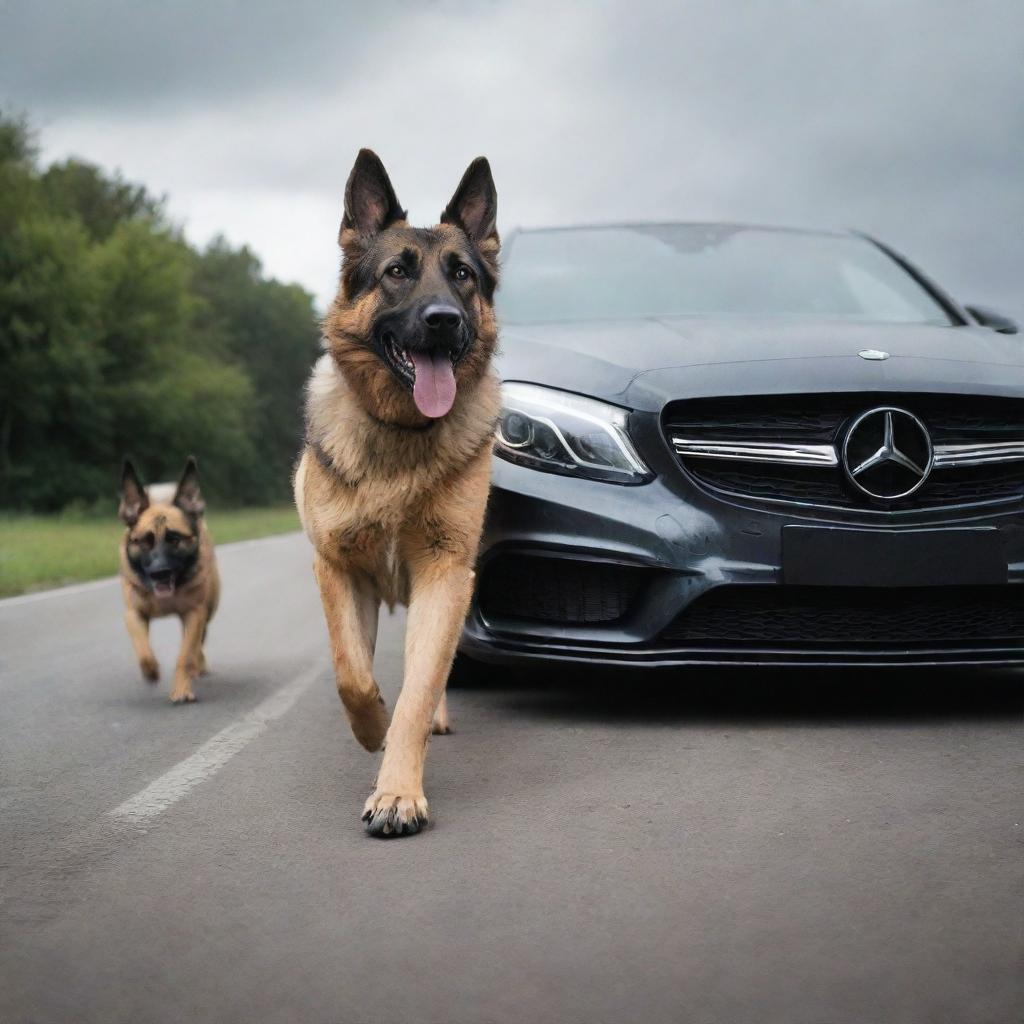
(148, 539)
(396, 271)
(462, 272)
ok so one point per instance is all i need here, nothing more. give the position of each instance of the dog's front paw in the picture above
(181, 693)
(150, 669)
(389, 815)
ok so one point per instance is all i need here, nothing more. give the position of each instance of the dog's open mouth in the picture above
(430, 375)
(163, 587)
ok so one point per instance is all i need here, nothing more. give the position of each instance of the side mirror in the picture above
(989, 318)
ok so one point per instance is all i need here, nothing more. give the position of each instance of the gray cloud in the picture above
(903, 119)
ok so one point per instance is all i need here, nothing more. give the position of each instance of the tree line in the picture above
(117, 337)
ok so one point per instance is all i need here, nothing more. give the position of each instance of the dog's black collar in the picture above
(321, 456)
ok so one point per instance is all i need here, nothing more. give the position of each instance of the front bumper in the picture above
(679, 542)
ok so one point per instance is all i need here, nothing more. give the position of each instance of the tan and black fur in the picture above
(393, 499)
(168, 567)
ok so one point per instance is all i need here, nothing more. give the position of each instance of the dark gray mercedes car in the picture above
(735, 444)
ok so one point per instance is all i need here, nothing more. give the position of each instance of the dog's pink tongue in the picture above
(434, 390)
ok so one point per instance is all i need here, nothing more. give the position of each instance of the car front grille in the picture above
(558, 591)
(858, 617)
(733, 445)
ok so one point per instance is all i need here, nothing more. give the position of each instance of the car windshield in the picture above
(672, 270)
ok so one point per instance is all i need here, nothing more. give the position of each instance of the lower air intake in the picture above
(851, 616)
(558, 590)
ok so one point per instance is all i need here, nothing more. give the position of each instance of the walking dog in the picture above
(393, 481)
(168, 568)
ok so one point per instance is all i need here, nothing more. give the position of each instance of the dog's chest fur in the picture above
(361, 484)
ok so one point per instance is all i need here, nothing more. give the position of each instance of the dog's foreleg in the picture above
(193, 623)
(138, 631)
(440, 725)
(351, 607)
(439, 551)
(437, 608)
(204, 669)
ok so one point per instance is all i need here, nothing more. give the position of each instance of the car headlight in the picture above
(557, 432)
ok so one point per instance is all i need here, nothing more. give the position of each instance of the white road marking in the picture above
(81, 588)
(167, 790)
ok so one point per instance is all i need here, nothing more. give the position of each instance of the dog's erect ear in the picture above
(474, 207)
(370, 201)
(188, 496)
(134, 500)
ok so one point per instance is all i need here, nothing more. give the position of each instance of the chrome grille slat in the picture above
(788, 448)
(759, 451)
(947, 456)
(952, 455)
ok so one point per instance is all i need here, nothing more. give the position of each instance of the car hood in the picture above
(644, 363)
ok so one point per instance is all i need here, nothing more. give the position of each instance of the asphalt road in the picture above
(696, 847)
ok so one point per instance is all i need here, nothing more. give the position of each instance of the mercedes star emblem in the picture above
(887, 453)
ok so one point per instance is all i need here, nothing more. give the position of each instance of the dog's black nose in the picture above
(159, 575)
(439, 316)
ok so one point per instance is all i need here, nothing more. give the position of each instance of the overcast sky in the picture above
(901, 117)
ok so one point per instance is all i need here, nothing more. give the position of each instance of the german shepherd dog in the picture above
(168, 568)
(393, 482)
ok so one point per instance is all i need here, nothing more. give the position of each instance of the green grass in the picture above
(38, 552)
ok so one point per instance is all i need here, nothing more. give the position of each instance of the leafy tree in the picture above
(118, 337)
(17, 148)
(54, 428)
(271, 330)
(78, 189)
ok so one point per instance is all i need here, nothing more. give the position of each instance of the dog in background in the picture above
(168, 568)
(393, 482)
